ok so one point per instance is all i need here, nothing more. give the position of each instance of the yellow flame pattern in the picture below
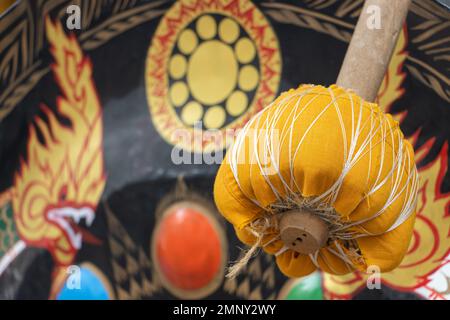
(66, 169)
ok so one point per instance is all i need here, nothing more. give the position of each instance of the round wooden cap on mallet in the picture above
(303, 231)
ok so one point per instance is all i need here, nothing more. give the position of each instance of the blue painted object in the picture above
(91, 288)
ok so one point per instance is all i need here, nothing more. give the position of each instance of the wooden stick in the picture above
(371, 47)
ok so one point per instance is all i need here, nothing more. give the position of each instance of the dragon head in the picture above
(60, 183)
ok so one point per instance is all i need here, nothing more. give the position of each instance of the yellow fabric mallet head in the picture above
(321, 177)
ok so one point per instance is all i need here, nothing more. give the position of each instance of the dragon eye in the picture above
(63, 193)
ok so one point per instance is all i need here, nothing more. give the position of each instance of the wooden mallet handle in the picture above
(364, 67)
(371, 48)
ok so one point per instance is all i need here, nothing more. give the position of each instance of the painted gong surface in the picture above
(85, 178)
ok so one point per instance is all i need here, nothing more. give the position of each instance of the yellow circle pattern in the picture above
(213, 73)
(188, 41)
(192, 112)
(214, 117)
(179, 93)
(245, 50)
(228, 30)
(182, 32)
(236, 103)
(177, 66)
(206, 27)
(248, 78)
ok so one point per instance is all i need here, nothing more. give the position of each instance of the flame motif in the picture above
(430, 243)
(63, 178)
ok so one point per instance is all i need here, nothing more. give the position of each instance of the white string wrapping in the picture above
(322, 205)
